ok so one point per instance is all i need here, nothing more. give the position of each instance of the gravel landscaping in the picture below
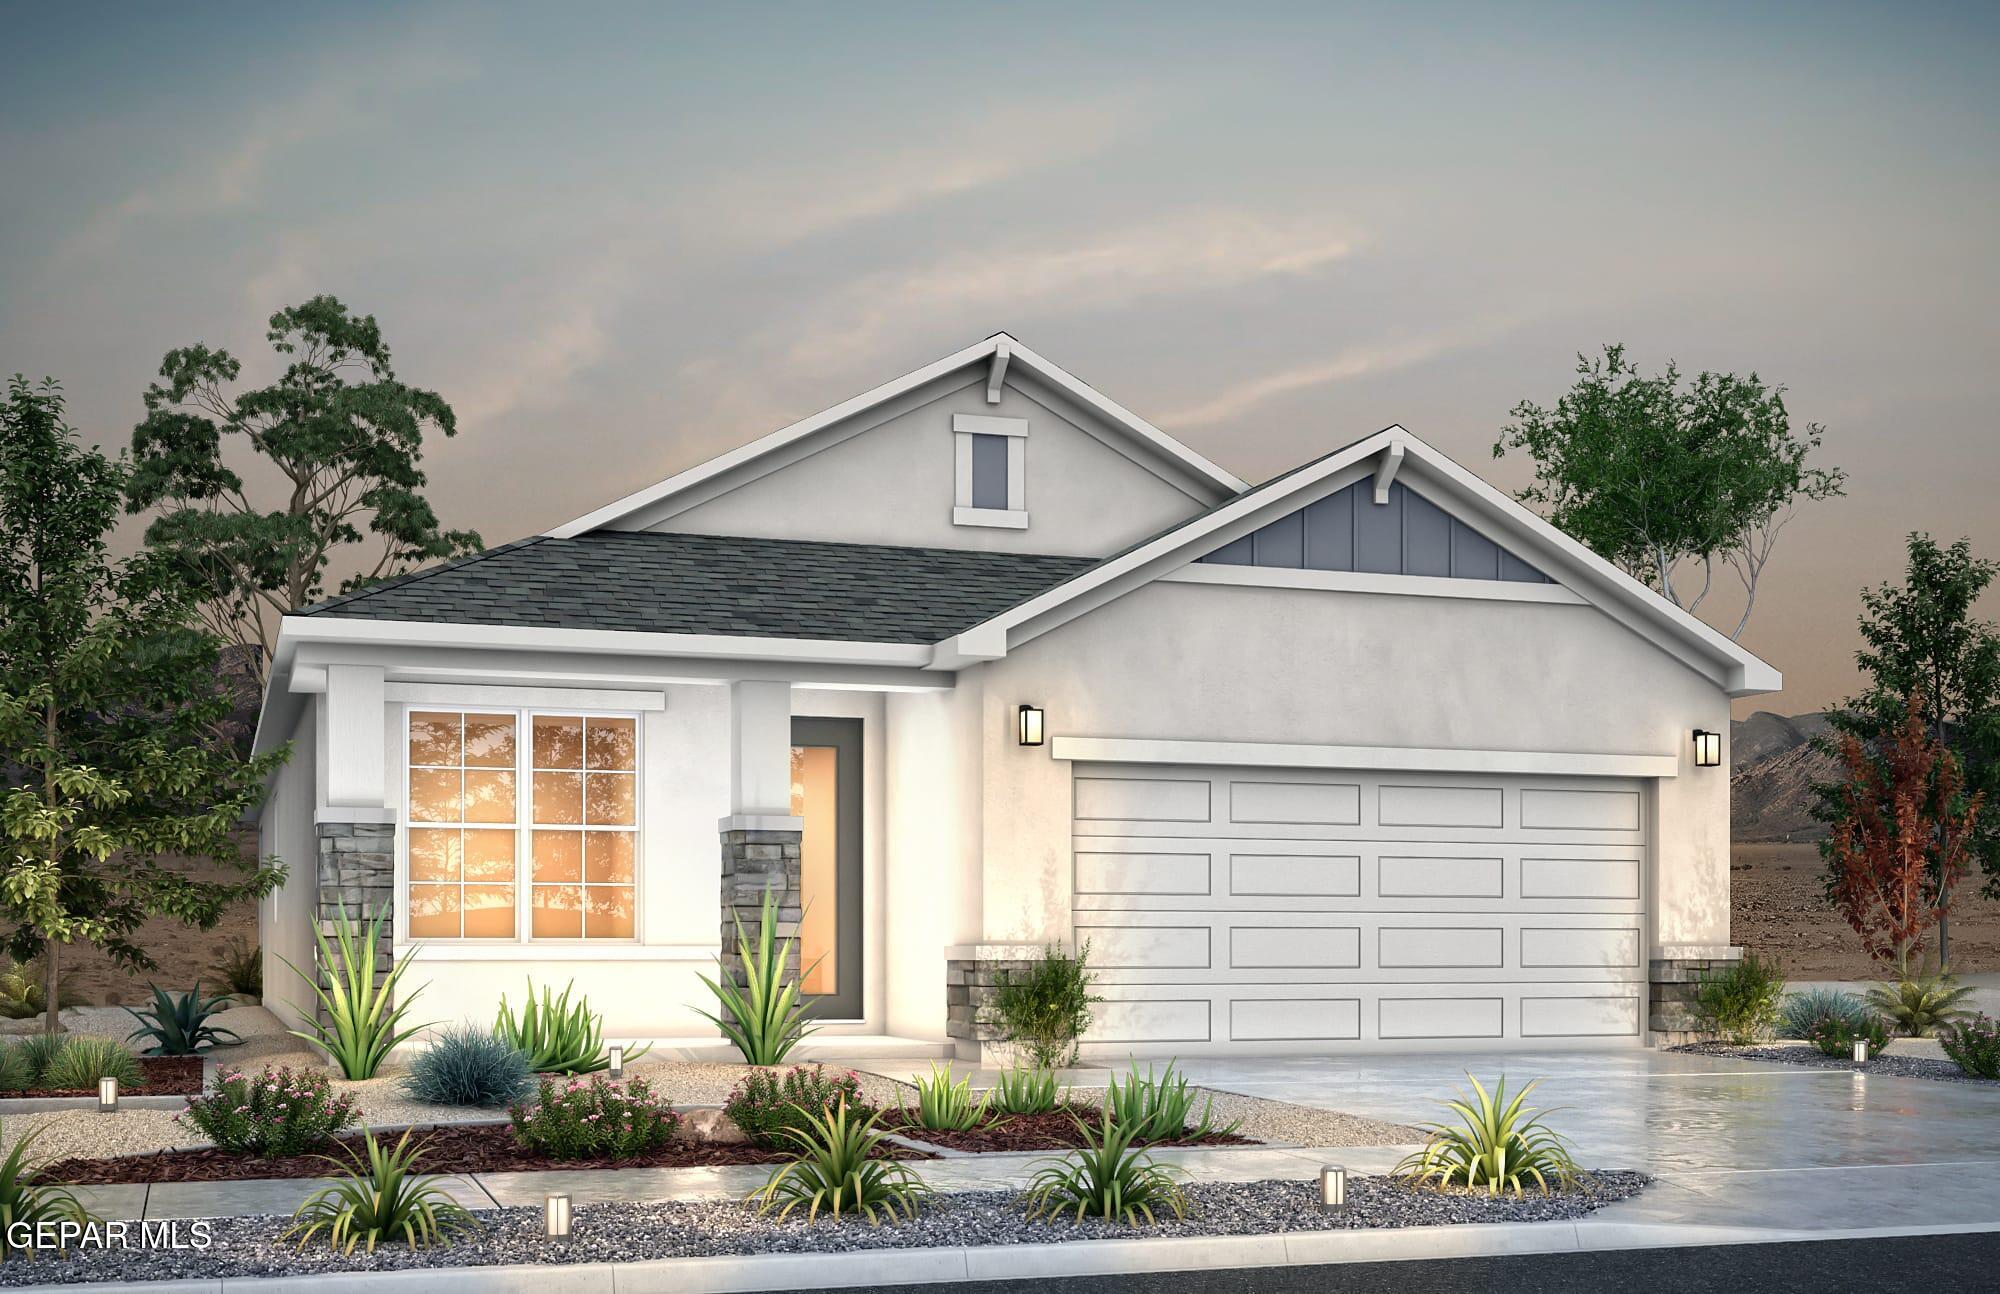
(636, 1232)
(1889, 1063)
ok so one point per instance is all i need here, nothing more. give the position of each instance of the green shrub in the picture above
(1919, 1005)
(280, 1112)
(1046, 1009)
(82, 1059)
(1836, 1035)
(1158, 1109)
(469, 1066)
(762, 1013)
(1801, 1011)
(385, 1199)
(17, 1071)
(27, 1202)
(1107, 1178)
(1739, 1003)
(599, 1119)
(1025, 1089)
(178, 1023)
(767, 1105)
(945, 1106)
(38, 1052)
(1497, 1144)
(21, 993)
(241, 968)
(364, 1018)
(836, 1172)
(1973, 1045)
(556, 1035)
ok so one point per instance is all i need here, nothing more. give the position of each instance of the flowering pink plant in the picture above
(282, 1111)
(765, 1103)
(574, 1118)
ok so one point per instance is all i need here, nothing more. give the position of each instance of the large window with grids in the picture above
(522, 825)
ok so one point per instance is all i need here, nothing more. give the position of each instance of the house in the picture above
(1364, 756)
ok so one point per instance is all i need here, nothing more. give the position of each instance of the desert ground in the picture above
(1777, 910)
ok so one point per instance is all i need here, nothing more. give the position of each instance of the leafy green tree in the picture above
(1665, 479)
(111, 707)
(342, 438)
(1922, 637)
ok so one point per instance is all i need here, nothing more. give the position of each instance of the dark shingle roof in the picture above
(716, 584)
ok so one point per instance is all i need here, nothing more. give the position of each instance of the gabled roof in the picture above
(636, 581)
(1389, 451)
(998, 355)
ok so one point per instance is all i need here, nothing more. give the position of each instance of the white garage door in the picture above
(1280, 910)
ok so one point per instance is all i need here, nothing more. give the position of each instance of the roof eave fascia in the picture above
(411, 633)
(983, 352)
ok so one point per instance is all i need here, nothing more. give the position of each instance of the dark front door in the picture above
(826, 792)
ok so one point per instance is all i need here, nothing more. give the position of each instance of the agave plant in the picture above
(363, 1018)
(27, 1202)
(556, 1035)
(1107, 1178)
(384, 1198)
(1026, 1089)
(1921, 1003)
(178, 1023)
(1158, 1109)
(763, 1014)
(836, 1172)
(945, 1106)
(1498, 1145)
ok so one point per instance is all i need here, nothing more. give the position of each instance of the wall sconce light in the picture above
(1332, 1189)
(617, 1062)
(107, 1095)
(1031, 725)
(1861, 1051)
(1707, 748)
(555, 1217)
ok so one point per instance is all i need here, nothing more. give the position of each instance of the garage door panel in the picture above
(1267, 910)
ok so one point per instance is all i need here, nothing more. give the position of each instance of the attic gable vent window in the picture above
(992, 471)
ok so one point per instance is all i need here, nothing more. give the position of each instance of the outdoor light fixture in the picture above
(617, 1062)
(1332, 1189)
(1861, 1051)
(555, 1217)
(107, 1095)
(1707, 748)
(1031, 725)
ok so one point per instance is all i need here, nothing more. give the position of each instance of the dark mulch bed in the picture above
(1891, 1063)
(1055, 1130)
(158, 1075)
(448, 1148)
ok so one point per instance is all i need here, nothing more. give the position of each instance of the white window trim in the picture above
(522, 826)
(1014, 516)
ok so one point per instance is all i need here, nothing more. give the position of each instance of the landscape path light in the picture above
(617, 1062)
(555, 1217)
(1332, 1188)
(107, 1094)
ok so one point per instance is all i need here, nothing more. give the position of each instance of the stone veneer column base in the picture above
(971, 980)
(757, 860)
(1676, 968)
(356, 875)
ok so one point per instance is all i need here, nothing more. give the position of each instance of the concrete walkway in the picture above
(1733, 1143)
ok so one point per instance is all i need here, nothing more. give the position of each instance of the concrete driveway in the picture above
(1733, 1143)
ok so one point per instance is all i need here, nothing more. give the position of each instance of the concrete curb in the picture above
(743, 1273)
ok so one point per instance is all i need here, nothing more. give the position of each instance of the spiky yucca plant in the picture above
(763, 1014)
(1917, 1006)
(27, 1201)
(363, 1018)
(1107, 1178)
(383, 1199)
(1026, 1089)
(1497, 1145)
(945, 1106)
(836, 1172)
(556, 1036)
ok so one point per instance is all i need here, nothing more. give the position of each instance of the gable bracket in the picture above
(998, 373)
(1385, 470)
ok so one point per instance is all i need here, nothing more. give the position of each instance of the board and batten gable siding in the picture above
(1204, 662)
(895, 483)
(1348, 531)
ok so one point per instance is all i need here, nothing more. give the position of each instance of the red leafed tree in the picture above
(1905, 837)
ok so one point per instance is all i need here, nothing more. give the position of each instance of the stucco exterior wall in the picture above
(1221, 663)
(1082, 496)
(284, 916)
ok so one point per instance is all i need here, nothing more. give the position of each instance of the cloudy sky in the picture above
(622, 239)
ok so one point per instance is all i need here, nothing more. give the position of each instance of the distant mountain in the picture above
(1773, 766)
